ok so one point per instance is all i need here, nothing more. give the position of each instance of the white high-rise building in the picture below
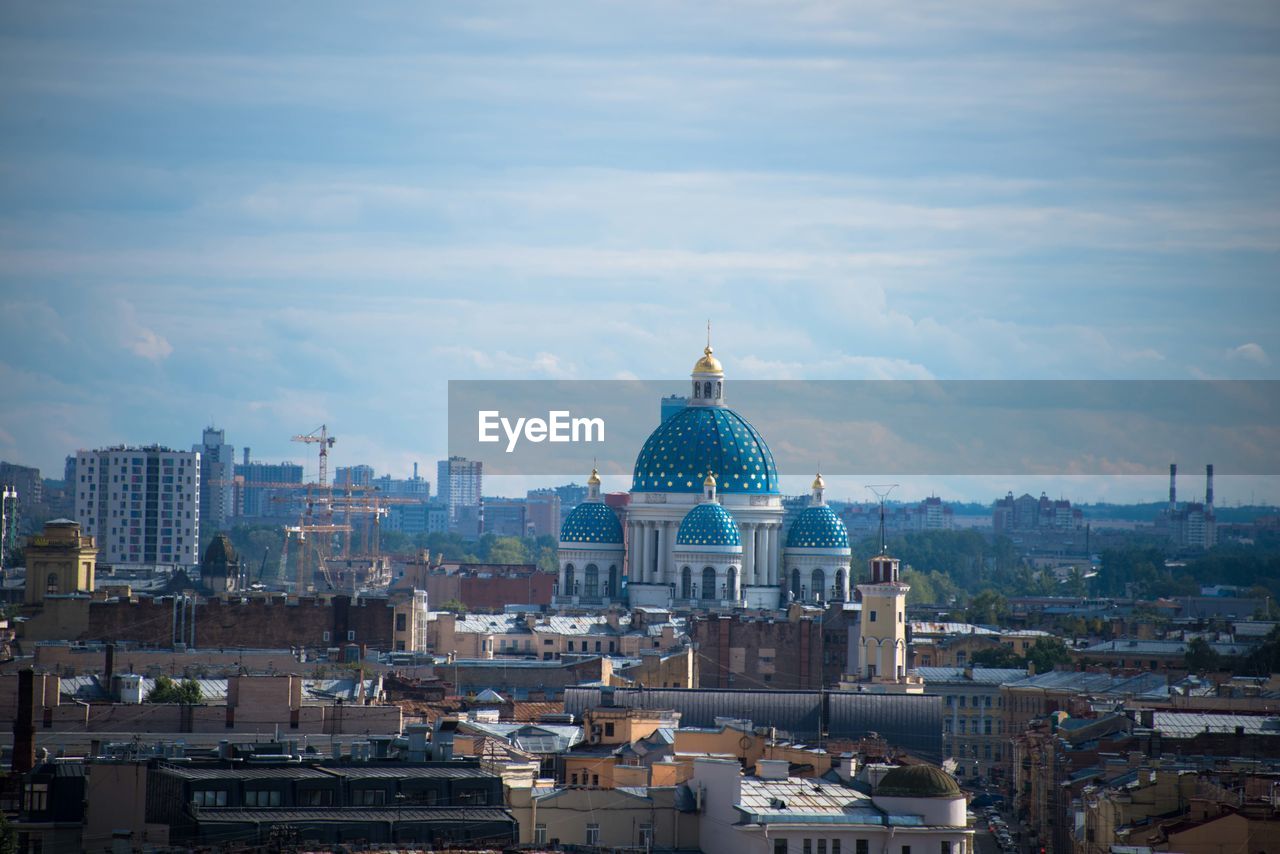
(459, 483)
(217, 473)
(141, 505)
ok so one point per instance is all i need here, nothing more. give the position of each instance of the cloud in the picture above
(1250, 352)
(139, 339)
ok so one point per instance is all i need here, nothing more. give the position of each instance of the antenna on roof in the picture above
(881, 491)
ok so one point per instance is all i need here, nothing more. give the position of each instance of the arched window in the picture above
(697, 389)
(818, 585)
(795, 583)
(719, 389)
(708, 583)
(731, 583)
(706, 389)
(51, 583)
(591, 586)
(841, 590)
(686, 583)
(568, 580)
(612, 584)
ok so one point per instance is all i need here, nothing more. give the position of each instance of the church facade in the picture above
(704, 524)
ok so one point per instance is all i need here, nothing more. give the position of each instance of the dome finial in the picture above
(709, 487)
(708, 364)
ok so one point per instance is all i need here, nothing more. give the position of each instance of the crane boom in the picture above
(321, 437)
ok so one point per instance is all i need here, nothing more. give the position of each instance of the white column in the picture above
(775, 535)
(660, 552)
(749, 550)
(762, 551)
(669, 558)
(642, 570)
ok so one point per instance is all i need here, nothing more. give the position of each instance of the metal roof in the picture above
(1141, 685)
(979, 675)
(909, 721)
(247, 772)
(326, 814)
(1188, 724)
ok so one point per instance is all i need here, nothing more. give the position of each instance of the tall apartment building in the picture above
(259, 483)
(360, 475)
(26, 481)
(141, 505)
(217, 476)
(542, 512)
(458, 481)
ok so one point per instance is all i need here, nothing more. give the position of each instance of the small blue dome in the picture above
(592, 522)
(699, 440)
(708, 524)
(818, 527)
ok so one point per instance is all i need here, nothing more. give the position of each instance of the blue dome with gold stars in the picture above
(708, 524)
(818, 527)
(701, 440)
(592, 522)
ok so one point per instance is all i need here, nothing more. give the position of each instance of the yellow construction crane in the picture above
(320, 436)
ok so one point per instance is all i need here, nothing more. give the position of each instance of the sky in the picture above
(272, 216)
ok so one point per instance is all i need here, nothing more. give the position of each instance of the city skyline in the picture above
(265, 222)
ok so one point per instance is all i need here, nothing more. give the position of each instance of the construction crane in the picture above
(321, 437)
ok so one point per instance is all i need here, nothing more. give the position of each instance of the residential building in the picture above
(542, 513)
(418, 518)
(217, 482)
(348, 476)
(140, 504)
(909, 808)
(459, 483)
(973, 726)
(26, 481)
(260, 485)
(505, 517)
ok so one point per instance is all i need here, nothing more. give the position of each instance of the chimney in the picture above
(110, 664)
(1208, 486)
(847, 767)
(773, 769)
(24, 728)
(246, 455)
(415, 471)
(1173, 487)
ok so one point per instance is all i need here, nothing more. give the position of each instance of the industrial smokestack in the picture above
(1173, 486)
(1208, 486)
(24, 727)
(415, 471)
(246, 455)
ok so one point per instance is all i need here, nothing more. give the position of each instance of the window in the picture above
(595, 779)
(325, 637)
(808, 846)
(261, 798)
(351, 635)
(906, 849)
(645, 837)
(946, 846)
(862, 846)
(315, 798)
(872, 618)
(608, 729)
(369, 797)
(593, 835)
(209, 797)
(835, 846)
(51, 583)
(822, 846)
(539, 834)
(779, 846)
(35, 798)
(400, 622)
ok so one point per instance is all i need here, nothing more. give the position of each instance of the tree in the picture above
(187, 692)
(1201, 657)
(1048, 653)
(999, 656)
(987, 608)
(453, 605)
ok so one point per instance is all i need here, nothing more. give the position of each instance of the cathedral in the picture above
(704, 523)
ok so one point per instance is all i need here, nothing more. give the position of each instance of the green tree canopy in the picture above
(187, 692)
